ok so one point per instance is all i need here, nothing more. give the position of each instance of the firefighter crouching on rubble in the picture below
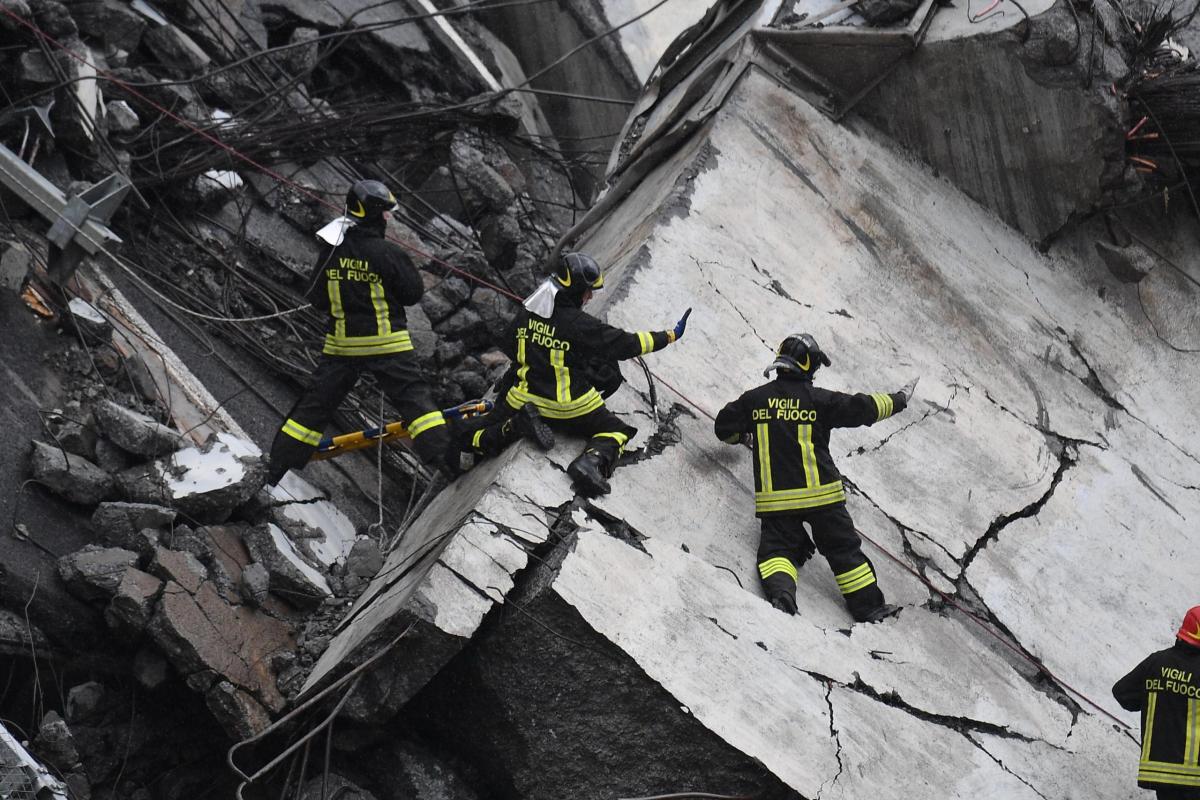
(1165, 687)
(363, 284)
(554, 345)
(795, 480)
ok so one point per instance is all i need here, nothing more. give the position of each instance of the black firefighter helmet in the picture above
(800, 354)
(367, 200)
(576, 273)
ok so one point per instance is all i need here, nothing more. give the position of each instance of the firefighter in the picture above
(789, 420)
(363, 284)
(1165, 687)
(557, 351)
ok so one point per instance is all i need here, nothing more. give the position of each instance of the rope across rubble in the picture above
(1041, 668)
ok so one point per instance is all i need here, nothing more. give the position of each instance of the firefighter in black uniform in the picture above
(363, 284)
(1166, 689)
(555, 347)
(795, 480)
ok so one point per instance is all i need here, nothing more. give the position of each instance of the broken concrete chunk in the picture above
(292, 578)
(207, 640)
(175, 49)
(206, 484)
(73, 431)
(54, 743)
(1127, 264)
(84, 700)
(133, 604)
(86, 321)
(34, 72)
(94, 573)
(316, 526)
(14, 265)
(182, 568)
(70, 477)
(302, 53)
(114, 22)
(122, 118)
(256, 583)
(365, 559)
(126, 524)
(239, 714)
(135, 432)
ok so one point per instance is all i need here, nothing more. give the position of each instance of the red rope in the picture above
(416, 251)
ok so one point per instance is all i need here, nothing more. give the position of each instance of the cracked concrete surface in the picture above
(1031, 477)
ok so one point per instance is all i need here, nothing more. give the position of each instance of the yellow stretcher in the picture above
(331, 446)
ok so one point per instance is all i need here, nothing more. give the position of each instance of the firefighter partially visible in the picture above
(555, 347)
(1165, 687)
(789, 420)
(363, 284)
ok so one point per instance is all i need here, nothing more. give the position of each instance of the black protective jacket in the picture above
(1166, 689)
(552, 358)
(790, 420)
(364, 283)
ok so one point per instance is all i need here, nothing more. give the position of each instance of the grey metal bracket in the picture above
(79, 224)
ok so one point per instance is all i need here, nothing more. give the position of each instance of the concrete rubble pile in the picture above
(957, 201)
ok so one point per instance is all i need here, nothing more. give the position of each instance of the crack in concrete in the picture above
(936, 410)
(1000, 764)
(666, 435)
(722, 629)
(1067, 458)
(775, 286)
(616, 527)
(1061, 438)
(837, 739)
(1092, 381)
(700, 266)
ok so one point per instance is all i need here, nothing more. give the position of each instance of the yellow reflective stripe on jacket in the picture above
(396, 342)
(809, 455)
(586, 403)
(854, 579)
(300, 433)
(1151, 708)
(334, 289)
(620, 438)
(776, 565)
(383, 322)
(792, 499)
(762, 440)
(1172, 774)
(646, 339)
(523, 370)
(883, 405)
(424, 422)
(562, 375)
(1191, 746)
(477, 437)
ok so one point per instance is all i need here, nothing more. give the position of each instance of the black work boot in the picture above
(531, 425)
(588, 472)
(879, 613)
(785, 603)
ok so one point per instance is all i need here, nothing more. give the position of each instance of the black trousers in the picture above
(489, 434)
(785, 546)
(1178, 793)
(401, 379)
